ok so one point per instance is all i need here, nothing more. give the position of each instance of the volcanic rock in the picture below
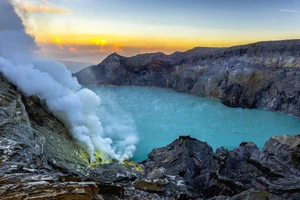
(263, 74)
(40, 160)
(229, 173)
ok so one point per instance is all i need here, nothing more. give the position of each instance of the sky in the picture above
(89, 30)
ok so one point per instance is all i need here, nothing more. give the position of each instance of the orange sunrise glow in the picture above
(80, 32)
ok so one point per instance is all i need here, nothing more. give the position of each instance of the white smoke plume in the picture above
(53, 83)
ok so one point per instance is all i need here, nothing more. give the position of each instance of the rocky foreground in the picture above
(39, 160)
(264, 75)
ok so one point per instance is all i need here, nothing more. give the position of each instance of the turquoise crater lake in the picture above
(160, 115)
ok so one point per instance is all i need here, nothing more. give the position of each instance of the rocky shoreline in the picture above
(39, 160)
(260, 75)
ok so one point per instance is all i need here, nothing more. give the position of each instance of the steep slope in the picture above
(264, 74)
(39, 160)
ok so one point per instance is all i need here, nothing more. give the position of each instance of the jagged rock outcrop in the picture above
(39, 160)
(264, 74)
(242, 173)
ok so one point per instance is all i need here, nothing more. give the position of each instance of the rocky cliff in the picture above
(263, 75)
(39, 160)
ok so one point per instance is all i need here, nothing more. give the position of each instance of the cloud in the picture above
(98, 42)
(117, 48)
(58, 42)
(93, 53)
(43, 8)
(290, 11)
(72, 49)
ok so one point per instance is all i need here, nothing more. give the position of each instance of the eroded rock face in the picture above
(264, 75)
(186, 157)
(230, 173)
(39, 160)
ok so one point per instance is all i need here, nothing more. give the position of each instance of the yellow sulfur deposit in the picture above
(132, 164)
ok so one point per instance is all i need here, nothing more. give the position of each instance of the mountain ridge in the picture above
(40, 160)
(259, 75)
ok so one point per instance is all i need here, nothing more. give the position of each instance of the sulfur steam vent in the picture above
(54, 84)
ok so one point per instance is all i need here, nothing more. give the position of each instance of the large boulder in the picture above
(185, 157)
(206, 174)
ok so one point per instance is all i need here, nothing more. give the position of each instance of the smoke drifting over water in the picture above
(53, 83)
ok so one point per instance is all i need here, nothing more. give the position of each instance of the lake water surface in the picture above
(160, 115)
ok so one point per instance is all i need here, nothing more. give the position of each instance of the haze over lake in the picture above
(161, 115)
